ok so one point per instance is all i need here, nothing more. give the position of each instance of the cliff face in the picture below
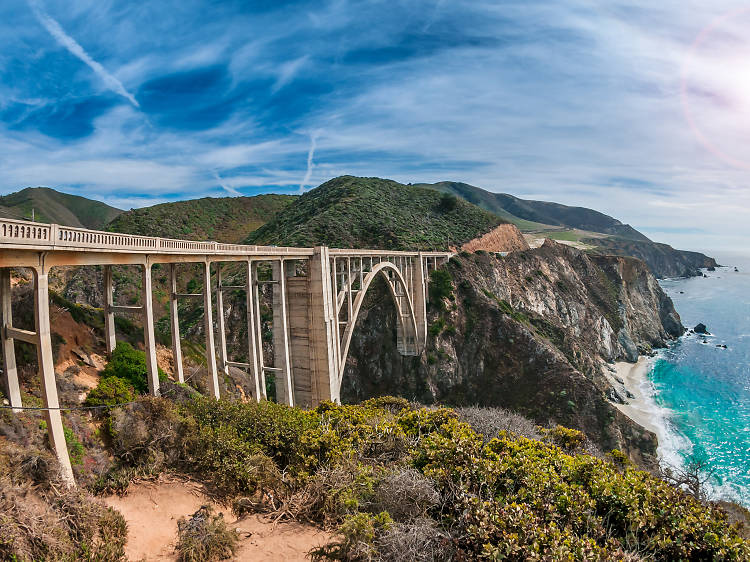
(503, 238)
(527, 332)
(663, 260)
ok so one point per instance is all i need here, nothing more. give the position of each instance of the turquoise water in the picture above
(703, 391)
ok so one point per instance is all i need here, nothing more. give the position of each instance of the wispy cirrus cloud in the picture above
(54, 28)
(564, 100)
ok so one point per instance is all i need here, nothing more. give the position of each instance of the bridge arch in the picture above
(406, 320)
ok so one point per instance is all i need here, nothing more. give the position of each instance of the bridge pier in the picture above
(149, 339)
(109, 314)
(174, 318)
(254, 340)
(282, 360)
(213, 375)
(47, 372)
(220, 321)
(10, 372)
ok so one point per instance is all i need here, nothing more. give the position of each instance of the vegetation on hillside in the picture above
(404, 482)
(375, 213)
(531, 215)
(56, 207)
(224, 219)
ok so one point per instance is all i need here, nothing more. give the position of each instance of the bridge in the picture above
(316, 296)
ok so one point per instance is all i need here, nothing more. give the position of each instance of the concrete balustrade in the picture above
(314, 312)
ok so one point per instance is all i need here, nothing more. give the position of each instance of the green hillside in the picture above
(531, 215)
(56, 207)
(375, 213)
(224, 219)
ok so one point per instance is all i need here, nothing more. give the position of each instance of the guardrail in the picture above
(16, 233)
(26, 234)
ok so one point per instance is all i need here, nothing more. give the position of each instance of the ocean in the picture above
(701, 391)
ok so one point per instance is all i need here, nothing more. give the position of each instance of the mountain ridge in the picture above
(52, 206)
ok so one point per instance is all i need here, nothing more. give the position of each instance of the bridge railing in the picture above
(25, 233)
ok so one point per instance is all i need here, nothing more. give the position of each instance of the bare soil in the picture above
(152, 509)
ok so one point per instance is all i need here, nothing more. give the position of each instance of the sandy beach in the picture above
(634, 377)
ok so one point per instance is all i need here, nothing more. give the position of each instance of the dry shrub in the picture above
(150, 432)
(489, 422)
(405, 494)
(205, 537)
(39, 524)
(420, 540)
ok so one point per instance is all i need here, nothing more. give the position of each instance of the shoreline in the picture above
(639, 407)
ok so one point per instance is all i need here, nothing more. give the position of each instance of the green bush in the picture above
(130, 365)
(110, 390)
(440, 288)
(75, 447)
(364, 467)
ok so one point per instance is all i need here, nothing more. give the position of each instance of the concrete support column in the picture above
(252, 341)
(149, 340)
(257, 329)
(323, 327)
(220, 321)
(47, 373)
(213, 375)
(419, 296)
(109, 315)
(281, 355)
(175, 321)
(11, 388)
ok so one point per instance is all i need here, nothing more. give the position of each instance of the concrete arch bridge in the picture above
(317, 294)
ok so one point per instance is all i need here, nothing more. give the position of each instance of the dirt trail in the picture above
(152, 511)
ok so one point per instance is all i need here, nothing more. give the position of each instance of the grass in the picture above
(566, 235)
(224, 219)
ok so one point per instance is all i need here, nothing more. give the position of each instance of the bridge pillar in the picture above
(254, 344)
(209, 329)
(419, 295)
(109, 315)
(47, 373)
(324, 362)
(149, 339)
(220, 321)
(281, 352)
(10, 373)
(175, 321)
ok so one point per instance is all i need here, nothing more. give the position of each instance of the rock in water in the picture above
(701, 329)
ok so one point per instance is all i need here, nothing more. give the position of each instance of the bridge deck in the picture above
(34, 236)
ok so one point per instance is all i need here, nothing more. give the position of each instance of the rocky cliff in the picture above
(503, 238)
(663, 259)
(528, 332)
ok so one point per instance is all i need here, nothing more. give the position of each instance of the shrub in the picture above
(397, 479)
(492, 422)
(75, 447)
(130, 365)
(205, 537)
(440, 288)
(110, 390)
(567, 439)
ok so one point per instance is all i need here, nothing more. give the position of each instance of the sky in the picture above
(638, 109)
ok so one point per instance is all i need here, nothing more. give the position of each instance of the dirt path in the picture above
(152, 511)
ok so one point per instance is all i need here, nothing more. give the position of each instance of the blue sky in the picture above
(640, 111)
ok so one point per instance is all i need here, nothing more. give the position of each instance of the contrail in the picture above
(76, 50)
(226, 187)
(310, 164)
